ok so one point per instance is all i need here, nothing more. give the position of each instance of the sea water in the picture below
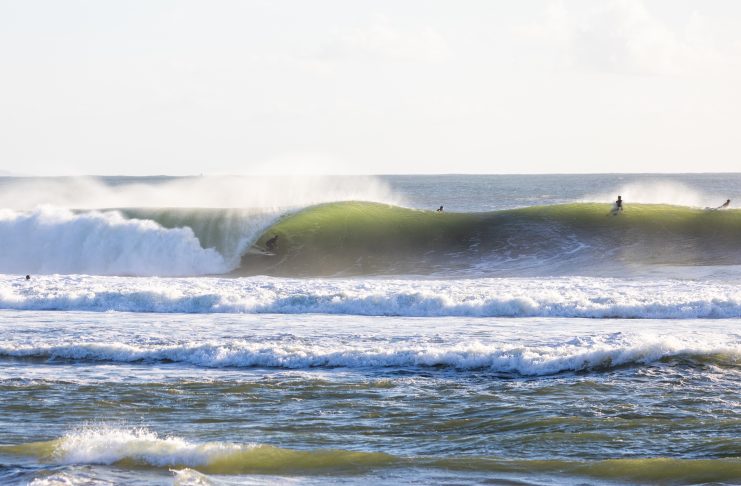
(532, 339)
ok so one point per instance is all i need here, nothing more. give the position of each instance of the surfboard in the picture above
(259, 251)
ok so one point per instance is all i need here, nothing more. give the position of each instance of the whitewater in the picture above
(524, 335)
(488, 297)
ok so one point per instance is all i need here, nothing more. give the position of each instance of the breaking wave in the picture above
(194, 460)
(362, 238)
(492, 297)
(567, 239)
(578, 354)
(54, 240)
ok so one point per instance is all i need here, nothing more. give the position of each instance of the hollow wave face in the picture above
(363, 238)
(571, 239)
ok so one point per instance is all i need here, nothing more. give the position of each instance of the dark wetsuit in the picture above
(272, 243)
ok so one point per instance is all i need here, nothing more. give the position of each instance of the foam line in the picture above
(590, 353)
(498, 297)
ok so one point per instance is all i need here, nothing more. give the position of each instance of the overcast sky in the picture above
(370, 87)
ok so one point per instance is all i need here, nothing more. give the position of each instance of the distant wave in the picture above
(191, 460)
(495, 297)
(370, 239)
(581, 354)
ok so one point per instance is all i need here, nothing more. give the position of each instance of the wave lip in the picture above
(363, 238)
(579, 354)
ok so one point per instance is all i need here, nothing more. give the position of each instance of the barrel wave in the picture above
(356, 238)
(364, 238)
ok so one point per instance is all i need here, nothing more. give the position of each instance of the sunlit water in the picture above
(395, 379)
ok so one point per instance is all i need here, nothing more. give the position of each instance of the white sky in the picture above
(370, 87)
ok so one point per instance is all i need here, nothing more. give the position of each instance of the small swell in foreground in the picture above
(192, 460)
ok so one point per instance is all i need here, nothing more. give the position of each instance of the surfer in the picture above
(439, 210)
(619, 204)
(272, 243)
(725, 204)
(28, 277)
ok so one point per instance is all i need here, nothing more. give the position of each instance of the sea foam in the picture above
(577, 354)
(488, 297)
(54, 240)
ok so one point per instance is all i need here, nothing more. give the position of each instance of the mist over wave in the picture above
(330, 226)
(251, 192)
(156, 225)
(659, 191)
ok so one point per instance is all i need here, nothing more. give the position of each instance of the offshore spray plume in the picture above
(193, 192)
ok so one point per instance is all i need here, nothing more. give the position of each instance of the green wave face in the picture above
(357, 238)
(231, 459)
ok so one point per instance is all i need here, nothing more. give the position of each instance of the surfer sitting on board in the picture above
(272, 243)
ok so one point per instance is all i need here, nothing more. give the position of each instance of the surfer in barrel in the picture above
(272, 243)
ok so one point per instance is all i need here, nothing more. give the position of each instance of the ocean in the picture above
(523, 335)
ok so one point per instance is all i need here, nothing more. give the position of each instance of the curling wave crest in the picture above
(372, 239)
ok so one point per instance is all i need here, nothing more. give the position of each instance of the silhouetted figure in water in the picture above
(28, 277)
(439, 210)
(619, 204)
(725, 204)
(272, 243)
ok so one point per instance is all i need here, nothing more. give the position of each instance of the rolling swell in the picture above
(356, 238)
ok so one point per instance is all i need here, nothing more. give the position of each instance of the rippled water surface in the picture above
(528, 334)
(159, 398)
